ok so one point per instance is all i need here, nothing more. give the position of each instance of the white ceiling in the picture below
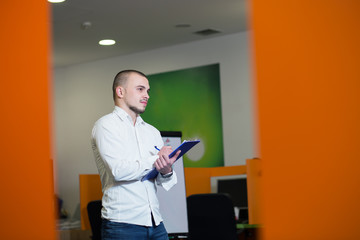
(137, 25)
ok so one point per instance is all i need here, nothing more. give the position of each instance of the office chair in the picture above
(94, 213)
(211, 216)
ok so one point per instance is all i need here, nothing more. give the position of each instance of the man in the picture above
(125, 150)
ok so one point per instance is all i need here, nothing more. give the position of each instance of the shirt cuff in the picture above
(167, 183)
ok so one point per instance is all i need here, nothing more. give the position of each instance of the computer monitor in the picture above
(236, 187)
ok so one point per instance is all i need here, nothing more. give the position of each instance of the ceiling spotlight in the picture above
(183, 25)
(107, 42)
(207, 32)
(56, 1)
(86, 25)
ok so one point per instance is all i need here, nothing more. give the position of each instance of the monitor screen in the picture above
(236, 187)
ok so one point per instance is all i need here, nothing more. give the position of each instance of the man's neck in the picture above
(131, 113)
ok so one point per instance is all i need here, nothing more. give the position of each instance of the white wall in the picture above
(83, 94)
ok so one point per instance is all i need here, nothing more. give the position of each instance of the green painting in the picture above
(189, 101)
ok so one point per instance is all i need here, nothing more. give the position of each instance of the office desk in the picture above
(244, 232)
(248, 231)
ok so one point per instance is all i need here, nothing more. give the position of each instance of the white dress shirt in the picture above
(124, 153)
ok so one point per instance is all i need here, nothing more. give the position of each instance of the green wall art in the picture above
(189, 101)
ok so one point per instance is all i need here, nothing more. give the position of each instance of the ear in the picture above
(120, 91)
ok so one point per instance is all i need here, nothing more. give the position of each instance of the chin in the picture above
(137, 110)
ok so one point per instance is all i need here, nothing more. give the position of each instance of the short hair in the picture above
(121, 79)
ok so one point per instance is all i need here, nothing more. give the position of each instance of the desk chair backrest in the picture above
(211, 216)
(94, 213)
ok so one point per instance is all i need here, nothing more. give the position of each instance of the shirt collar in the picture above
(124, 115)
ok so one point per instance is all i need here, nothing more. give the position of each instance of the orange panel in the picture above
(229, 170)
(27, 191)
(307, 57)
(253, 170)
(90, 190)
(197, 180)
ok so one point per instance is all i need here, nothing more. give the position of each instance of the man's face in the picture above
(136, 94)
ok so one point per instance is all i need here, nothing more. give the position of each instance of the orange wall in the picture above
(27, 194)
(307, 58)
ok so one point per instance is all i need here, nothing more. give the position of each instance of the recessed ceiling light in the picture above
(56, 1)
(107, 42)
(86, 25)
(207, 32)
(183, 25)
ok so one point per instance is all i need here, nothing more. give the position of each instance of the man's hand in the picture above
(164, 164)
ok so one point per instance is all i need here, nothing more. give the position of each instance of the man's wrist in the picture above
(167, 175)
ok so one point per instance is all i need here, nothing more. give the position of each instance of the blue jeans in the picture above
(124, 231)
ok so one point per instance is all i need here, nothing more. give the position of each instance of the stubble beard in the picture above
(136, 110)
